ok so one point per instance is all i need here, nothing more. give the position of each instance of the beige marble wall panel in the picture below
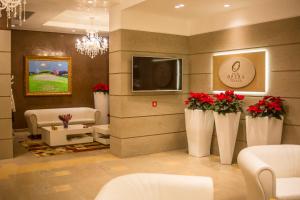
(5, 107)
(6, 129)
(285, 84)
(134, 106)
(253, 36)
(5, 85)
(120, 84)
(148, 144)
(5, 65)
(144, 126)
(116, 62)
(5, 37)
(153, 42)
(121, 61)
(201, 63)
(291, 135)
(293, 111)
(115, 40)
(6, 148)
(200, 83)
(282, 58)
(285, 58)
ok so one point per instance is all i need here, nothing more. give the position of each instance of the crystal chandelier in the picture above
(13, 9)
(92, 44)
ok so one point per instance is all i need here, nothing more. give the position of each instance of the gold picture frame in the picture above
(48, 75)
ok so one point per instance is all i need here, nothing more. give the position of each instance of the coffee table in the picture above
(74, 134)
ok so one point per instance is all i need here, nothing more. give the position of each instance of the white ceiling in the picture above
(200, 16)
(67, 16)
(195, 8)
(197, 16)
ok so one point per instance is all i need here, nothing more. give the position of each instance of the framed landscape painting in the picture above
(45, 75)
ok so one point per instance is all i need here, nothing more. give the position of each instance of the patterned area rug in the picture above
(40, 149)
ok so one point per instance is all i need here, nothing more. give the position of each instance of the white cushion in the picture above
(271, 171)
(52, 114)
(157, 187)
(288, 188)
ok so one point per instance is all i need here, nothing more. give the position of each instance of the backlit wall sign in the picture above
(245, 71)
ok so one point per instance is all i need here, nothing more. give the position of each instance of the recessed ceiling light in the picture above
(179, 5)
(227, 5)
(90, 1)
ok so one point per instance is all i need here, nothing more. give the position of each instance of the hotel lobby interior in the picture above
(150, 99)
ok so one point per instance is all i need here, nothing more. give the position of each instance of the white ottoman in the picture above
(102, 134)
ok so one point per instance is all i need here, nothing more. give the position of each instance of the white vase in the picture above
(101, 101)
(263, 130)
(227, 128)
(199, 129)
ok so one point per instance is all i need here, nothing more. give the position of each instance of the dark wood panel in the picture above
(86, 71)
(3, 21)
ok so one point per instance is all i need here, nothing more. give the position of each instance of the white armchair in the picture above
(157, 187)
(271, 171)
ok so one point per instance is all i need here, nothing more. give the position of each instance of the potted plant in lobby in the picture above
(264, 121)
(228, 108)
(101, 100)
(199, 123)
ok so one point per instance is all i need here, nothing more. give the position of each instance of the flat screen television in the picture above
(156, 74)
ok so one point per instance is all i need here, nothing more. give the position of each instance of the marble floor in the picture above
(80, 176)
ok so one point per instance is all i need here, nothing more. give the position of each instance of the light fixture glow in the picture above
(267, 70)
(227, 5)
(180, 5)
(90, 1)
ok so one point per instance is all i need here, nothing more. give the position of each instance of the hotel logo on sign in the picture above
(237, 72)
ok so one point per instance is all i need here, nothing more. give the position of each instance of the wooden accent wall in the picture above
(86, 71)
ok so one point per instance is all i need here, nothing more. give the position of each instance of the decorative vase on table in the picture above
(264, 121)
(65, 119)
(228, 108)
(101, 100)
(199, 123)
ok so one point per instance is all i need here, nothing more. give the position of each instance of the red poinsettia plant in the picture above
(199, 101)
(228, 102)
(269, 106)
(101, 87)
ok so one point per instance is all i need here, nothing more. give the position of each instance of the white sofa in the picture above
(271, 171)
(47, 117)
(157, 187)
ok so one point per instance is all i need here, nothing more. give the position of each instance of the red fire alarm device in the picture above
(154, 104)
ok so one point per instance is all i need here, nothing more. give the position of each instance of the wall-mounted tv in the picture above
(156, 74)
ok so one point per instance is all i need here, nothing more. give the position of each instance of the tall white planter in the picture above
(101, 101)
(227, 128)
(199, 128)
(263, 130)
